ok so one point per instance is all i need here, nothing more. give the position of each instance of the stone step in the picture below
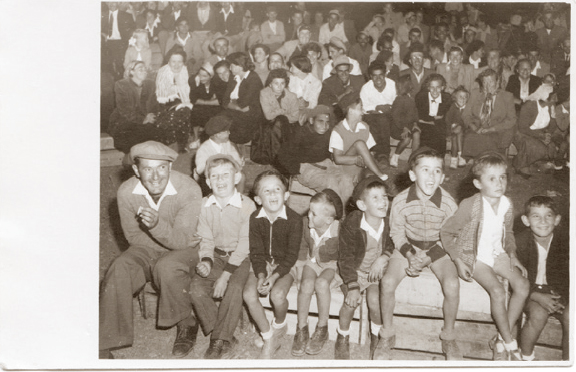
(106, 142)
(110, 158)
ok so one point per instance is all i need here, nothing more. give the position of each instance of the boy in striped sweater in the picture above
(415, 220)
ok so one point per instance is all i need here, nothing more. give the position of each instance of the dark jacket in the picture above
(333, 87)
(514, 85)
(248, 94)
(423, 105)
(352, 246)
(125, 24)
(285, 244)
(557, 262)
(328, 251)
(232, 25)
(132, 107)
(194, 21)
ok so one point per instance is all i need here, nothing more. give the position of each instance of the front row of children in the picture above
(246, 253)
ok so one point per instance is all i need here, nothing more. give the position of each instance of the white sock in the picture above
(459, 154)
(267, 335)
(530, 357)
(511, 346)
(395, 156)
(343, 333)
(278, 326)
(375, 328)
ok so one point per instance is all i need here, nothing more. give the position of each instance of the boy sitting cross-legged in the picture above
(415, 219)
(320, 251)
(481, 243)
(545, 252)
(365, 247)
(224, 265)
(275, 237)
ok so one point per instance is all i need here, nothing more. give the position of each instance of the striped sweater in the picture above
(417, 222)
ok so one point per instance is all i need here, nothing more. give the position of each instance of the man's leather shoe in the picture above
(342, 347)
(185, 340)
(214, 349)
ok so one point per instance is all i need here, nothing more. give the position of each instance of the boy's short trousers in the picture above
(271, 267)
(318, 267)
(501, 263)
(398, 256)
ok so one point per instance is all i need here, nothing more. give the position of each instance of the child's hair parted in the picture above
(329, 198)
(434, 77)
(540, 201)
(489, 159)
(268, 173)
(220, 159)
(424, 152)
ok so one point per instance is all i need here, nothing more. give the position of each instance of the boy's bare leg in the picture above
(447, 275)
(392, 278)
(323, 296)
(537, 317)
(415, 141)
(520, 290)
(360, 148)
(305, 295)
(252, 300)
(278, 297)
(565, 320)
(402, 145)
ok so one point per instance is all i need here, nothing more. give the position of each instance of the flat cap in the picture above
(340, 60)
(319, 110)
(152, 150)
(213, 158)
(217, 124)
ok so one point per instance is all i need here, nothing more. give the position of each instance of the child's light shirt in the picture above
(490, 243)
(373, 241)
(542, 256)
(319, 239)
(336, 141)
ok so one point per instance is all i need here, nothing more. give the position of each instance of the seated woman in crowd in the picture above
(132, 120)
(523, 83)
(314, 52)
(351, 141)
(535, 128)
(242, 98)
(489, 117)
(404, 126)
(305, 153)
(455, 72)
(139, 49)
(303, 84)
(221, 78)
(203, 97)
(173, 95)
(260, 54)
(475, 53)
(279, 105)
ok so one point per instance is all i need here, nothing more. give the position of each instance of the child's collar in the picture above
(436, 199)
(281, 214)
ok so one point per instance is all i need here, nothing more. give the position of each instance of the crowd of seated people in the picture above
(322, 97)
(172, 66)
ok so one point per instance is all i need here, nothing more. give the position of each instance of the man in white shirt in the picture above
(337, 48)
(377, 96)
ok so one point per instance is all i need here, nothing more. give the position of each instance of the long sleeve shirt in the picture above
(225, 228)
(178, 211)
(414, 221)
(287, 106)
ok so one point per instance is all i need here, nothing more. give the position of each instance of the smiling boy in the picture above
(224, 265)
(415, 219)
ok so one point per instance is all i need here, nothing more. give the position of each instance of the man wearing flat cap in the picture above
(159, 211)
(337, 49)
(339, 85)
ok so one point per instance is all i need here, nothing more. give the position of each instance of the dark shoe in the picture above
(373, 343)
(451, 350)
(318, 340)
(383, 350)
(105, 354)
(301, 339)
(214, 349)
(342, 347)
(185, 340)
(228, 349)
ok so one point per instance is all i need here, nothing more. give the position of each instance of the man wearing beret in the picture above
(159, 211)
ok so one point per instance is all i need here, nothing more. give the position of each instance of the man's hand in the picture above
(549, 301)
(150, 118)
(463, 270)
(149, 217)
(349, 89)
(269, 283)
(406, 133)
(260, 285)
(360, 161)
(378, 269)
(203, 269)
(221, 285)
(353, 298)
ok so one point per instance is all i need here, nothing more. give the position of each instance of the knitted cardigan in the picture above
(461, 232)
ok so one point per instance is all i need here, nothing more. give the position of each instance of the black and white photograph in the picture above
(285, 185)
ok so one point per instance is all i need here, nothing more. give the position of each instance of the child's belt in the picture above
(422, 245)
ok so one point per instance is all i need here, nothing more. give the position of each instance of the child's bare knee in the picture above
(277, 296)
(322, 285)
(498, 294)
(307, 287)
(249, 295)
(451, 287)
